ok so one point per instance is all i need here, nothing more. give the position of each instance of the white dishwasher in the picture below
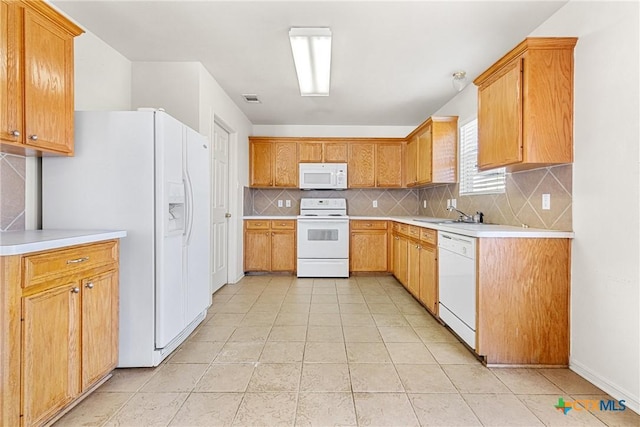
(457, 284)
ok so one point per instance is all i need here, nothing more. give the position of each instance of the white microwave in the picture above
(323, 176)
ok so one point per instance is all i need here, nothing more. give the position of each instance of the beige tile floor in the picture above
(276, 350)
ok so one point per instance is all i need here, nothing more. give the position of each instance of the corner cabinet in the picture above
(273, 163)
(432, 152)
(59, 320)
(36, 79)
(270, 245)
(525, 106)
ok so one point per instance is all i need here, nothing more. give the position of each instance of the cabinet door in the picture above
(10, 76)
(368, 251)
(500, 119)
(48, 94)
(424, 157)
(400, 247)
(335, 152)
(257, 250)
(260, 164)
(286, 164)
(310, 152)
(388, 165)
(361, 165)
(50, 352)
(413, 268)
(99, 327)
(411, 162)
(429, 278)
(283, 250)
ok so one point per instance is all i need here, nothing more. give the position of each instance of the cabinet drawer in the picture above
(49, 265)
(428, 235)
(257, 224)
(414, 231)
(283, 225)
(402, 228)
(358, 224)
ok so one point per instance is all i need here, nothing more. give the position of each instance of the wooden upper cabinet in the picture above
(36, 79)
(525, 106)
(361, 172)
(432, 152)
(389, 165)
(322, 152)
(273, 163)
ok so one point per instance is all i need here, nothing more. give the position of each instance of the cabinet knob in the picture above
(14, 133)
(33, 137)
(77, 260)
(266, 234)
(90, 285)
(75, 290)
(368, 224)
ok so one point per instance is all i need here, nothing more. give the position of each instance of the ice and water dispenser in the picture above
(175, 219)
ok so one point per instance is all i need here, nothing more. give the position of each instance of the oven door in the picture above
(323, 238)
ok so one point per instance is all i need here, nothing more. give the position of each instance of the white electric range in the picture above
(323, 238)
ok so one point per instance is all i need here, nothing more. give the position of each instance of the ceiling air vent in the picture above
(251, 98)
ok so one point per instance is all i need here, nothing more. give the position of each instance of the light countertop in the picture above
(274, 217)
(22, 242)
(471, 230)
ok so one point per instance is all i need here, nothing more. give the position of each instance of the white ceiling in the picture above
(391, 62)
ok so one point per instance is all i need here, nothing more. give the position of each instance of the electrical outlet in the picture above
(448, 203)
(279, 203)
(454, 203)
(424, 203)
(375, 203)
(287, 203)
(546, 202)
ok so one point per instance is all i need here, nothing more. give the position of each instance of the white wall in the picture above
(333, 131)
(102, 75)
(605, 300)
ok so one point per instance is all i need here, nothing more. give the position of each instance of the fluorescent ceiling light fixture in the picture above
(311, 49)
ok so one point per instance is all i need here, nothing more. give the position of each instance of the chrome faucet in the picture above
(477, 218)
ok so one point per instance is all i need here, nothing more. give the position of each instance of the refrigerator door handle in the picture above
(189, 207)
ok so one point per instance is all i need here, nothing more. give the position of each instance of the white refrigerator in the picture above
(146, 173)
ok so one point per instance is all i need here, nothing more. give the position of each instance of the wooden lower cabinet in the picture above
(413, 268)
(270, 245)
(60, 329)
(400, 258)
(428, 282)
(368, 246)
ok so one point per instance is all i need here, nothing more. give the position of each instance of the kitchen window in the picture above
(471, 181)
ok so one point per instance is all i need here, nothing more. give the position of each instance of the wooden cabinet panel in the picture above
(260, 164)
(50, 345)
(310, 152)
(286, 164)
(432, 153)
(525, 106)
(413, 268)
(400, 259)
(361, 165)
(270, 245)
(500, 112)
(257, 250)
(335, 152)
(368, 251)
(388, 165)
(362, 224)
(411, 162)
(424, 157)
(36, 79)
(99, 327)
(428, 281)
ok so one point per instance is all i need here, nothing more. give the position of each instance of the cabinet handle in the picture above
(90, 285)
(33, 137)
(77, 260)
(75, 290)
(368, 224)
(14, 133)
(266, 234)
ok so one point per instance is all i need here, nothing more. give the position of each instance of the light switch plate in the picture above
(546, 202)
(424, 203)
(375, 203)
(287, 203)
(279, 203)
(454, 203)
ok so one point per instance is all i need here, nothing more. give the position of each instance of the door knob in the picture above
(227, 215)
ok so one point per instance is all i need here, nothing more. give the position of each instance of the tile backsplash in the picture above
(520, 204)
(12, 192)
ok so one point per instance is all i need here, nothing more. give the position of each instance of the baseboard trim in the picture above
(618, 393)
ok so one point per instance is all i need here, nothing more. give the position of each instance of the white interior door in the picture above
(219, 207)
